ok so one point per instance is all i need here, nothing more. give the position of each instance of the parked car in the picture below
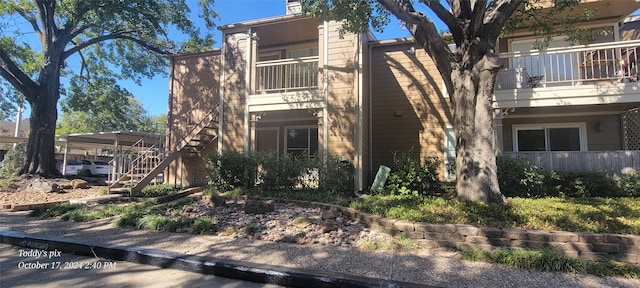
(89, 167)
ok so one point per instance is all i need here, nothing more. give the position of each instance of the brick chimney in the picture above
(294, 7)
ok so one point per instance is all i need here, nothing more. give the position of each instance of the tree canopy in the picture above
(120, 39)
(101, 105)
(468, 71)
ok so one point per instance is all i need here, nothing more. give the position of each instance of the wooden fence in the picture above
(616, 161)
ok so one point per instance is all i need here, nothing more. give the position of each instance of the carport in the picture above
(119, 142)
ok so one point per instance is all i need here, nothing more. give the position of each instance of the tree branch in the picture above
(27, 15)
(477, 16)
(425, 34)
(12, 73)
(447, 18)
(47, 10)
(70, 30)
(113, 36)
(498, 17)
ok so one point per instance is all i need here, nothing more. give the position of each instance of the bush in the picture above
(519, 178)
(281, 171)
(230, 169)
(409, 176)
(581, 184)
(159, 190)
(630, 184)
(272, 171)
(13, 161)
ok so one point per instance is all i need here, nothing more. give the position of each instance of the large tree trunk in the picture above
(40, 157)
(476, 169)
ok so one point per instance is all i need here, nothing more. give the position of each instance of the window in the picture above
(301, 141)
(450, 154)
(552, 137)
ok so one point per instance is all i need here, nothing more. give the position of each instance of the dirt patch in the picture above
(33, 190)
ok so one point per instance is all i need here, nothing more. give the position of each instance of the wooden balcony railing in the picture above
(285, 75)
(611, 62)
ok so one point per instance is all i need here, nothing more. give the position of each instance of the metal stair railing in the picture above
(150, 159)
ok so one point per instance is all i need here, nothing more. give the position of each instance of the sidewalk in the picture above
(278, 263)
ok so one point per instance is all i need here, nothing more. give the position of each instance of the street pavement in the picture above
(21, 267)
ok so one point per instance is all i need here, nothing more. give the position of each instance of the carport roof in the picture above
(108, 140)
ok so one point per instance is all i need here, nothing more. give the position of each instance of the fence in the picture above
(616, 161)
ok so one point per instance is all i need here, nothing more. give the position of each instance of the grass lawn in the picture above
(599, 215)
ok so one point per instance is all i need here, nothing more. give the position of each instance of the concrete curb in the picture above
(259, 273)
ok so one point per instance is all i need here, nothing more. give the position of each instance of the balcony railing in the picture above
(576, 65)
(287, 74)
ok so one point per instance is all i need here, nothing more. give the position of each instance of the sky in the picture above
(153, 93)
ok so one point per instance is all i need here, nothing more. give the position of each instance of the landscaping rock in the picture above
(218, 201)
(79, 184)
(42, 185)
(327, 214)
(258, 207)
(302, 222)
(328, 226)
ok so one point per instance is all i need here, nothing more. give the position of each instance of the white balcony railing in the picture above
(576, 65)
(287, 74)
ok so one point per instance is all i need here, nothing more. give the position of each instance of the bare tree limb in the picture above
(447, 18)
(498, 17)
(28, 15)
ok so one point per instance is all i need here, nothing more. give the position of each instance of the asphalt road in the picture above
(27, 267)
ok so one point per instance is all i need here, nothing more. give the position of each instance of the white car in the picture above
(90, 167)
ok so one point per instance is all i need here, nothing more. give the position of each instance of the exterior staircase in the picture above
(143, 163)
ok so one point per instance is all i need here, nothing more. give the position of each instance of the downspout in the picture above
(325, 88)
(370, 112)
(358, 186)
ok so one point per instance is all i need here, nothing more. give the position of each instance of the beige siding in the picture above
(409, 111)
(194, 91)
(602, 122)
(341, 102)
(233, 130)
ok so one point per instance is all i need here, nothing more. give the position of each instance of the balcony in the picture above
(576, 75)
(286, 84)
(285, 75)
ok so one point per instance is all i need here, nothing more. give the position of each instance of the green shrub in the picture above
(272, 171)
(281, 171)
(581, 184)
(630, 184)
(519, 178)
(13, 161)
(204, 225)
(231, 169)
(410, 176)
(159, 190)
